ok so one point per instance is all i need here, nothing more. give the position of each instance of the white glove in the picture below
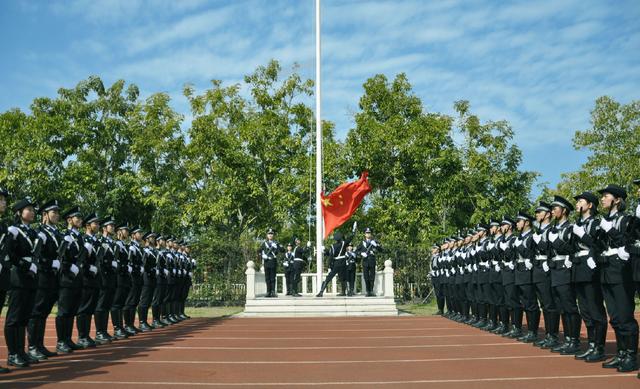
(114, 264)
(527, 264)
(74, 269)
(0, 267)
(475, 267)
(329, 270)
(552, 237)
(174, 271)
(166, 272)
(157, 272)
(129, 269)
(591, 263)
(511, 265)
(537, 238)
(190, 274)
(374, 244)
(308, 243)
(623, 254)
(364, 255)
(545, 267)
(93, 269)
(578, 230)
(497, 267)
(33, 268)
(453, 271)
(567, 263)
(264, 256)
(606, 225)
(638, 211)
(285, 264)
(141, 269)
(54, 264)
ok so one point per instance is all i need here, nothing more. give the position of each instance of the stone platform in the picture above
(287, 306)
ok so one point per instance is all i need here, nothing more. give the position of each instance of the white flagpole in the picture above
(319, 221)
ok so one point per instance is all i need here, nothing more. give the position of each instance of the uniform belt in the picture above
(560, 257)
(610, 251)
(520, 260)
(541, 257)
(28, 259)
(342, 257)
(582, 253)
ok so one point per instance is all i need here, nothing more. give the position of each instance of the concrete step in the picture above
(287, 306)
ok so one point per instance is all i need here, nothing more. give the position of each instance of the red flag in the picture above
(338, 207)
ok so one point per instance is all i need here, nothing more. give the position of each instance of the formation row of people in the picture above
(93, 269)
(572, 262)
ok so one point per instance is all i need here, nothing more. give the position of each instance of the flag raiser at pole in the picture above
(343, 202)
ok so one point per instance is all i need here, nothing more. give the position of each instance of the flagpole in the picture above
(319, 222)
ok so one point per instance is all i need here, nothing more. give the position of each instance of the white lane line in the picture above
(325, 338)
(320, 362)
(334, 383)
(317, 347)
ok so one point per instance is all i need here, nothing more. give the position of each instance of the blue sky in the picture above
(538, 64)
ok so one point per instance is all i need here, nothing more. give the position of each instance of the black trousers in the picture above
(620, 306)
(340, 271)
(288, 278)
(270, 279)
(438, 290)
(297, 275)
(527, 293)
(133, 297)
(21, 301)
(497, 294)
(369, 273)
(88, 300)
(159, 294)
(68, 301)
(350, 274)
(45, 299)
(592, 311)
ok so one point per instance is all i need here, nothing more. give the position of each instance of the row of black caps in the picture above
(88, 219)
(543, 206)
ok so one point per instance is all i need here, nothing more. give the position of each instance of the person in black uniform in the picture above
(352, 260)
(561, 249)
(368, 250)
(70, 291)
(287, 264)
(511, 293)
(133, 298)
(486, 298)
(24, 250)
(586, 277)
(108, 282)
(161, 282)
(177, 281)
(5, 261)
(90, 281)
(123, 281)
(525, 252)
(149, 274)
(268, 252)
(48, 267)
(542, 277)
(616, 236)
(189, 268)
(337, 263)
(436, 278)
(172, 277)
(300, 255)
(184, 273)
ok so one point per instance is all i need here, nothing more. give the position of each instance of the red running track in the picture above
(403, 352)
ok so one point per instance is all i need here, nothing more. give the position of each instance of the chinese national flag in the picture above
(338, 206)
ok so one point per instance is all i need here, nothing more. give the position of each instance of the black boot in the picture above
(22, 331)
(61, 332)
(561, 347)
(343, 290)
(551, 342)
(597, 355)
(620, 355)
(32, 335)
(14, 358)
(630, 361)
(321, 292)
(583, 355)
(42, 326)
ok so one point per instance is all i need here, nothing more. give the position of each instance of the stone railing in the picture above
(257, 287)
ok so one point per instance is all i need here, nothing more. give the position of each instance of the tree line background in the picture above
(244, 164)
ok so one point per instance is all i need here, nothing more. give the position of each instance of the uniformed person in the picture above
(526, 253)
(487, 307)
(48, 267)
(300, 255)
(160, 290)
(5, 260)
(368, 250)
(70, 291)
(184, 273)
(511, 293)
(287, 264)
(561, 249)
(178, 272)
(542, 277)
(268, 252)
(149, 277)
(137, 269)
(337, 262)
(436, 278)
(190, 267)
(172, 264)
(24, 251)
(352, 260)
(585, 276)
(123, 281)
(90, 280)
(616, 276)
(107, 268)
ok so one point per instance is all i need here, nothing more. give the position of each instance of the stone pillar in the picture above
(251, 280)
(388, 279)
